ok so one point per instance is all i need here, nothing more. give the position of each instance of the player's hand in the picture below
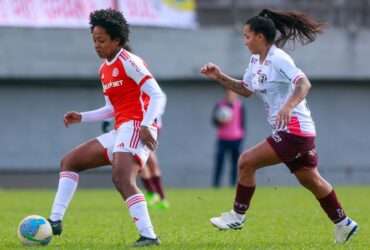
(71, 118)
(283, 118)
(211, 70)
(147, 138)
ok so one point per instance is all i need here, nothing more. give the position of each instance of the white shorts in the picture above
(126, 139)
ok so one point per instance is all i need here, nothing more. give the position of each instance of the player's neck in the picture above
(114, 54)
(264, 52)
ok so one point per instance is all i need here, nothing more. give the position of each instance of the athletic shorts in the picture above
(126, 139)
(295, 151)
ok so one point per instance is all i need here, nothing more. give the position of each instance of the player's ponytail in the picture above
(292, 25)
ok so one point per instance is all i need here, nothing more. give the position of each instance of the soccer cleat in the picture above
(145, 241)
(56, 226)
(344, 230)
(228, 220)
(151, 198)
(162, 204)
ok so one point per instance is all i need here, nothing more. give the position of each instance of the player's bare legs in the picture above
(146, 177)
(85, 156)
(261, 155)
(158, 199)
(311, 179)
(124, 171)
(153, 165)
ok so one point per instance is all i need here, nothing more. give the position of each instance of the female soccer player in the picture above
(273, 76)
(134, 99)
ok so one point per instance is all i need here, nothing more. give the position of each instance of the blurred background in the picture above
(48, 66)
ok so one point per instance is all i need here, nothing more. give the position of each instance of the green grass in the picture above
(280, 218)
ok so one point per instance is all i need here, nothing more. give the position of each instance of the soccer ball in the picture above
(224, 114)
(35, 230)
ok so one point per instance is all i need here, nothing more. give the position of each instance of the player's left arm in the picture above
(300, 91)
(286, 67)
(155, 109)
(136, 70)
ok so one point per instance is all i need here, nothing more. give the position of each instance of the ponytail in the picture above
(292, 25)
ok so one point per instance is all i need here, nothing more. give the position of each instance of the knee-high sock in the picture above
(243, 198)
(157, 182)
(140, 215)
(68, 182)
(332, 207)
(148, 185)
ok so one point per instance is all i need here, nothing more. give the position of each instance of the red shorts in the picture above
(295, 151)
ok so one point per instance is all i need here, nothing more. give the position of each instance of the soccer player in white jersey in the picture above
(273, 76)
(134, 99)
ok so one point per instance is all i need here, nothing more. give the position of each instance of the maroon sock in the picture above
(157, 183)
(148, 185)
(332, 207)
(243, 198)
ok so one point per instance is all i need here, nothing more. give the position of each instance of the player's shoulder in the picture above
(277, 56)
(129, 57)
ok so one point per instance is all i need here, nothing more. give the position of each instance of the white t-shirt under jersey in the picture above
(274, 81)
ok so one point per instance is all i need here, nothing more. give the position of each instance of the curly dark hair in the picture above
(113, 22)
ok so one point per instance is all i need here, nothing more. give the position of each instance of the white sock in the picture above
(68, 182)
(240, 217)
(342, 222)
(140, 215)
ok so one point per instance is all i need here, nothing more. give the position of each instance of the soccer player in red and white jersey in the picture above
(134, 99)
(273, 76)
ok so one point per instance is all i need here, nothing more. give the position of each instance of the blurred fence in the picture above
(339, 13)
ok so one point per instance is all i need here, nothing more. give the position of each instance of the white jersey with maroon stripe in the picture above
(274, 81)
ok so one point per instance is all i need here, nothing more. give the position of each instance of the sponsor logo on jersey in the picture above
(112, 85)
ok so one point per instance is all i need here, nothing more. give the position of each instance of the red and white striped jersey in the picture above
(121, 80)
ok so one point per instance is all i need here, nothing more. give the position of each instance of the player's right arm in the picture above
(100, 114)
(214, 72)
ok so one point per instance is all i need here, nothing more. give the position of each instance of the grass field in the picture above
(280, 218)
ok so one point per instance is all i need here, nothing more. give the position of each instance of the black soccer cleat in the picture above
(145, 242)
(56, 226)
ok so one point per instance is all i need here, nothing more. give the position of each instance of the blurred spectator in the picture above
(228, 117)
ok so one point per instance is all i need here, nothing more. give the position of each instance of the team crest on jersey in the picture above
(115, 72)
(262, 78)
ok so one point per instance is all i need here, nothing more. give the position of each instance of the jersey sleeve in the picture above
(100, 114)
(157, 102)
(136, 69)
(287, 68)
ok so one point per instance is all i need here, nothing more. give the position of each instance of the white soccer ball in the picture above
(224, 114)
(35, 230)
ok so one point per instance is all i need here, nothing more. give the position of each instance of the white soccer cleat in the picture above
(344, 230)
(228, 220)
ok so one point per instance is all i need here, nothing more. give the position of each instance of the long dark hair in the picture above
(292, 25)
